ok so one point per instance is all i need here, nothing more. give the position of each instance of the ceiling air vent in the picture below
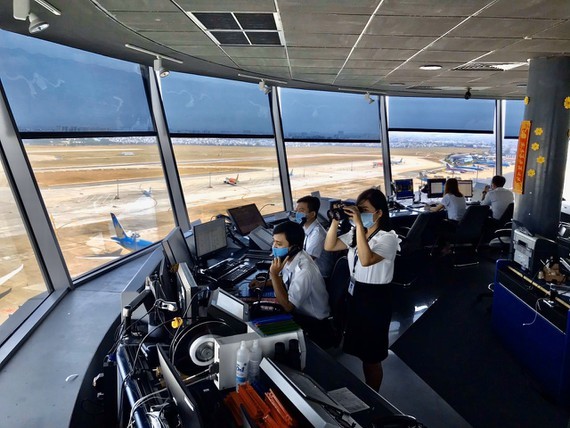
(489, 66)
(243, 29)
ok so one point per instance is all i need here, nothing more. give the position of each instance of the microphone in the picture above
(266, 205)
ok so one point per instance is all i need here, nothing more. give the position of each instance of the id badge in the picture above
(351, 285)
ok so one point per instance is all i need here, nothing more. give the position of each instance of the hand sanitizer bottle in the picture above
(254, 361)
(242, 361)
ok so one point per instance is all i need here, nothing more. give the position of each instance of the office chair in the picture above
(337, 287)
(467, 234)
(416, 245)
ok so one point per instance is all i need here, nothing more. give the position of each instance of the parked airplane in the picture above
(462, 168)
(396, 162)
(231, 181)
(147, 192)
(130, 242)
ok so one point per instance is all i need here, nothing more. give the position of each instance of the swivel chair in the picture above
(467, 236)
(415, 247)
(337, 288)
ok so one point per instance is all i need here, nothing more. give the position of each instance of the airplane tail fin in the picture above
(237, 178)
(118, 228)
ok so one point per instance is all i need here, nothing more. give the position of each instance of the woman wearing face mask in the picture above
(372, 249)
(299, 287)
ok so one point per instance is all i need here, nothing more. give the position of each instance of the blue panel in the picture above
(441, 114)
(207, 105)
(327, 115)
(54, 88)
(534, 341)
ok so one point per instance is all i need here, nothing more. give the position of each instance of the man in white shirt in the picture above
(497, 197)
(299, 286)
(315, 234)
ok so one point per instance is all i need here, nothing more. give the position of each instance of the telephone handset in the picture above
(293, 251)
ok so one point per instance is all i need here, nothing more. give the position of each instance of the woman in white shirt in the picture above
(453, 201)
(372, 250)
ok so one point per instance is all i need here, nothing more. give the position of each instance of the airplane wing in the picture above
(10, 275)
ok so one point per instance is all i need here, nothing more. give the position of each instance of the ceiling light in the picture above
(158, 67)
(49, 7)
(264, 87)
(368, 98)
(36, 24)
(430, 67)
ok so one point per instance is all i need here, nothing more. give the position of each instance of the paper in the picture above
(348, 400)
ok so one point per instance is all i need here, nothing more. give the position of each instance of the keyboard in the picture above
(238, 274)
(417, 205)
(222, 268)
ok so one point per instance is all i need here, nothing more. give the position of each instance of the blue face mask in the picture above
(280, 252)
(367, 219)
(300, 218)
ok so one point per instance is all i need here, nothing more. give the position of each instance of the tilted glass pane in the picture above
(222, 173)
(335, 170)
(514, 114)
(327, 115)
(21, 282)
(444, 155)
(440, 114)
(84, 181)
(207, 105)
(54, 88)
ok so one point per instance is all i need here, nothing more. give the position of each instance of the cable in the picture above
(536, 309)
(178, 331)
(141, 401)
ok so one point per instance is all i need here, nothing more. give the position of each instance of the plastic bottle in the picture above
(254, 361)
(242, 361)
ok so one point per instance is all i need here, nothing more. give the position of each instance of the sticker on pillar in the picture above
(540, 159)
(531, 173)
(526, 100)
(538, 131)
(567, 103)
(520, 160)
(535, 146)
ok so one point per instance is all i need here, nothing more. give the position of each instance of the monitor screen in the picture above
(404, 188)
(187, 290)
(435, 187)
(210, 237)
(176, 248)
(466, 187)
(185, 402)
(246, 218)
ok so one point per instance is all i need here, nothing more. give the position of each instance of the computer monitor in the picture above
(435, 187)
(187, 291)
(175, 251)
(404, 188)
(210, 237)
(246, 218)
(466, 187)
(188, 410)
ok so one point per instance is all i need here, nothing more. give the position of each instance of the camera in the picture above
(336, 210)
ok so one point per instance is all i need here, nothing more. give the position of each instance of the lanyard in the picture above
(356, 250)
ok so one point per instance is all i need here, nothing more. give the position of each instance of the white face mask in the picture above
(367, 219)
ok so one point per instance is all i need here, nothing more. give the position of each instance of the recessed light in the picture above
(430, 67)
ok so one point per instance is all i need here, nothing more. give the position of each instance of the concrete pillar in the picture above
(548, 108)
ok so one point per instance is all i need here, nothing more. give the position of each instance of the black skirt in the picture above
(368, 322)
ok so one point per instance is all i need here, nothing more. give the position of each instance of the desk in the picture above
(537, 333)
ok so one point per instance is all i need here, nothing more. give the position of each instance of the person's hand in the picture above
(487, 188)
(354, 213)
(277, 265)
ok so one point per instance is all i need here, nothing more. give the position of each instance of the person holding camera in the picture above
(372, 249)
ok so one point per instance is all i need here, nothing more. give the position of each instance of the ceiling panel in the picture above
(320, 40)
(327, 63)
(394, 42)
(329, 6)
(410, 25)
(549, 9)
(137, 5)
(156, 21)
(434, 56)
(560, 31)
(382, 54)
(471, 43)
(178, 37)
(256, 51)
(502, 27)
(263, 62)
(386, 65)
(324, 23)
(431, 7)
(318, 53)
(227, 5)
(219, 59)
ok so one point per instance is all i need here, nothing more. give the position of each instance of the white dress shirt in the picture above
(498, 198)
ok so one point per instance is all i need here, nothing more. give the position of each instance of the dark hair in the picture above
(294, 233)
(498, 180)
(379, 202)
(452, 186)
(313, 203)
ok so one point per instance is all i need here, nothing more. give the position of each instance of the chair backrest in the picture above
(507, 215)
(470, 226)
(337, 287)
(420, 234)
